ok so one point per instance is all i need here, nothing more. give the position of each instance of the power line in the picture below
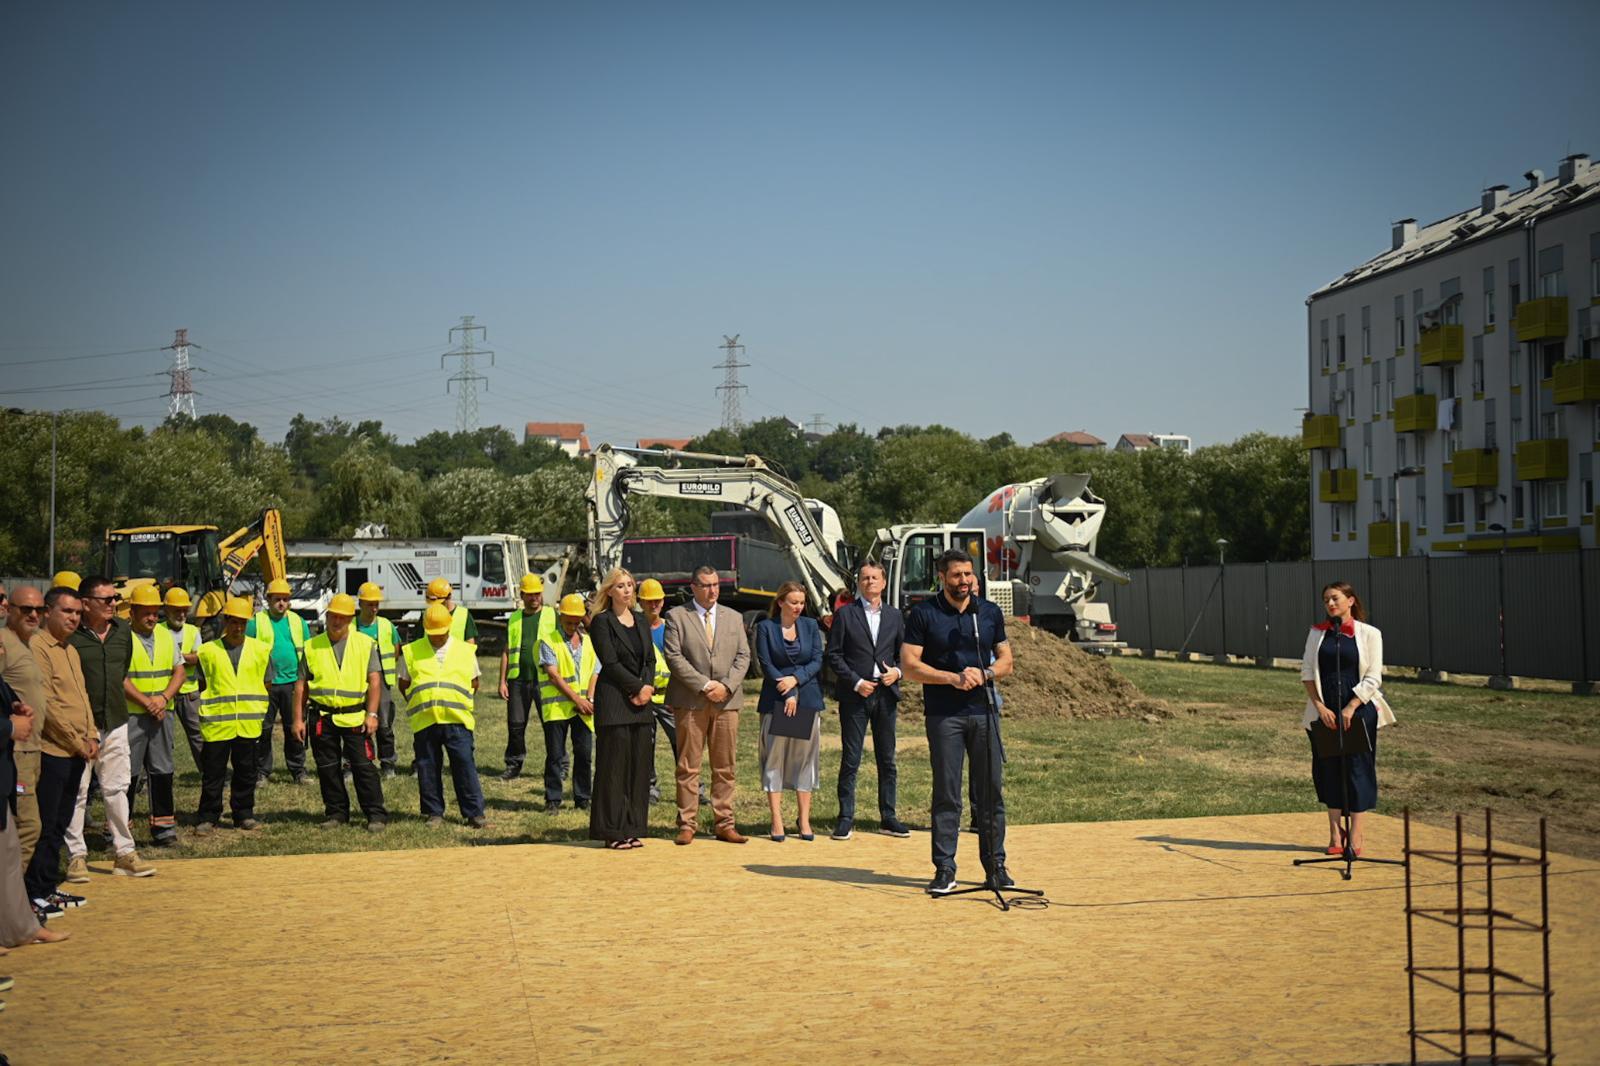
(75, 358)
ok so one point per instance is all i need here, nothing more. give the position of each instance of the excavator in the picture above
(195, 558)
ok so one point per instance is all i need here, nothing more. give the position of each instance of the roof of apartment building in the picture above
(1078, 437)
(1499, 210)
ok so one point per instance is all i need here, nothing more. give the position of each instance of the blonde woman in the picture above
(789, 646)
(623, 715)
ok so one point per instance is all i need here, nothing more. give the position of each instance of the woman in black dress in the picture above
(622, 714)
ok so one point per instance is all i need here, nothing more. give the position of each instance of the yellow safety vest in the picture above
(388, 644)
(547, 629)
(662, 676)
(440, 693)
(188, 644)
(298, 633)
(555, 707)
(340, 686)
(152, 678)
(235, 703)
(458, 623)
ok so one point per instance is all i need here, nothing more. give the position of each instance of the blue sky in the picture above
(1003, 217)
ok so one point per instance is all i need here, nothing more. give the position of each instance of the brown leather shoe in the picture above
(731, 836)
(685, 836)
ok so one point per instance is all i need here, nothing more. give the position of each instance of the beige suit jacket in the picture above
(693, 664)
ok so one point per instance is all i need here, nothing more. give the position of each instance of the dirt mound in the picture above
(1053, 679)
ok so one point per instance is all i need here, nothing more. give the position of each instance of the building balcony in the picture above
(1387, 540)
(1542, 460)
(1542, 319)
(1578, 381)
(1417, 413)
(1338, 486)
(1441, 345)
(1475, 468)
(1320, 431)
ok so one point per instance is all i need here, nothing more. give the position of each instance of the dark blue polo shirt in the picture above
(946, 638)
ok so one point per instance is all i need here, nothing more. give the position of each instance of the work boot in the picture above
(78, 870)
(511, 773)
(205, 829)
(248, 825)
(330, 823)
(130, 865)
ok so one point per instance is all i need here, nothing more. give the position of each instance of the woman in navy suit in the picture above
(789, 646)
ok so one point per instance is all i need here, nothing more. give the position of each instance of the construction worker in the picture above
(285, 633)
(567, 692)
(380, 629)
(519, 669)
(155, 674)
(188, 704)
(462, 626)
(66, 579)
(340, 683)
(439, 676)
(236, 668)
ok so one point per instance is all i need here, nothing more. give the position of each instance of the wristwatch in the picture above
(988, 674)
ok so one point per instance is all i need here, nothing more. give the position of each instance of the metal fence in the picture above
(1436, 613)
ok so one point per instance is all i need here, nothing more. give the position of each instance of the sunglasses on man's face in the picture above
(113, 598)
(27, 608)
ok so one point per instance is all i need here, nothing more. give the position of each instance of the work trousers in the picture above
(187, 707)
(952, 739)
(280, 707)
(112, 764)
(555, 759)
(522, 703)
(718, 730)
(214, 758)
(856, 713)
(431, 745)
(27, 802)
(150, 756)
(58, 792)
(332, 746)
(18, 924)
(388, 758)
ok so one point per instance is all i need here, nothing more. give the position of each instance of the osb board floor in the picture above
(1168, 942)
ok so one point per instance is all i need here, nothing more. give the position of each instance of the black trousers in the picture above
(521, 705)
(329, 744)
(856, 712)
(186, 705)
(280, 706)
(622, 760)
(57, 792)
(387, 756)
(214, 758)
(555, 759)
(952, 740)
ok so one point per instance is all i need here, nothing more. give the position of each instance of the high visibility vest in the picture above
(188, 644)
(298, 633)
(340, 686)
(458, 623)
(553, 705)
(547, 629)
(440, 692)
(662, 676)
(151, 677)
(388, 645)
(235, 703)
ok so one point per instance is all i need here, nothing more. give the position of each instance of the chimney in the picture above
(1402, 232)
(1573, 167)
(1493, 198)
(1534, 178)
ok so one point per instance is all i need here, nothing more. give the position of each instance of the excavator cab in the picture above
(194, 557)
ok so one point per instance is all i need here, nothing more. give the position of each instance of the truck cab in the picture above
(908, 553)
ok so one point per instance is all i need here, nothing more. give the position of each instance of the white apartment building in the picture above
(1454, 380)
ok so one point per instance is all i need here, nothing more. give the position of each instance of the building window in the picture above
(1515, 363)
(1378, 496)
(1422, 451)
(1488, 296)
(1422, 504)
(1552, 424)
(1450, 310)
(1447, 382)
(1490, 438)
(1366, 332)
(1416, 312)
(1366, 449)
(1551, 356)
(1552, 280)
(1377, 393)
(1586, 481)
(1399, 322)
(1518, 511)
(1514, 284)
(1338, 514)
(1339, 336)
(1350, 393)
(1400, 453)
(1389, 379)
(1450, 443)
(1325, 363)
(1555, 499)
(1594, 266)
(1477, 364)
(1455, 508)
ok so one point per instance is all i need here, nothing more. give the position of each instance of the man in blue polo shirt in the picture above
(949, 642)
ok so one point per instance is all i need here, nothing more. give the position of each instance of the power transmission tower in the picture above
(467, 377)
(816, 425)
(180, 393)
(730, 387)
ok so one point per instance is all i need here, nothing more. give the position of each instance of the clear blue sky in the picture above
(1002, 216)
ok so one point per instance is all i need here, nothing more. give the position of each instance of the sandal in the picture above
(634, 842)
(618, 845)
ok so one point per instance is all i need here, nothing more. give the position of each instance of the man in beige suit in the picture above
(707, 654)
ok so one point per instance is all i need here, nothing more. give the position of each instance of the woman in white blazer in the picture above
(1342, 670)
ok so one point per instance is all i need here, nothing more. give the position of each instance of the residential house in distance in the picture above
(1141, 442)
(676, 444)
(1077, 439)
(568, 436)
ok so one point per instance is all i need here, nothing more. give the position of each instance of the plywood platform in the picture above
(1167, 942)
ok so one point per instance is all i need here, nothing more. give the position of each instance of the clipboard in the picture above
(799, 726)
(1326, 743)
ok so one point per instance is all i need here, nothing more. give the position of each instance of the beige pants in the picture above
(115, 777)
(27, 803)
(697, 730)
(18, 924)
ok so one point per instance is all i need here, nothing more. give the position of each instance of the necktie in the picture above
(710, 630)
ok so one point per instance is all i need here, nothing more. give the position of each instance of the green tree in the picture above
(93, 455)
(845, 451)
(313, 446)
(364, 486)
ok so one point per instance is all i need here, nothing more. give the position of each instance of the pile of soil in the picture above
(1053, 679)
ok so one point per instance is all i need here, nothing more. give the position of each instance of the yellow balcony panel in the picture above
(1338, 486)
(1441, 344)
(1542, 460)
(1577, 381)
(1416, 413)
(1320, 431)
(1542, 319)
(1475, 468)
(1381, 539)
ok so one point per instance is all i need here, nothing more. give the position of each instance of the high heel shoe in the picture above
(779, 838)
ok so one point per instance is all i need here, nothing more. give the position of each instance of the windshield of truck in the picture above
(148, 555)
(516, 558)
(472, 560)
(494, 565)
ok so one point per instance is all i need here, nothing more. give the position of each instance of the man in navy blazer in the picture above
(864, 654)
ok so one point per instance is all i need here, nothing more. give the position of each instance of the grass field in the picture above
(1234, 746)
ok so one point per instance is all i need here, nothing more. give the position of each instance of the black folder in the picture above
(799, 726)
(1327, 742)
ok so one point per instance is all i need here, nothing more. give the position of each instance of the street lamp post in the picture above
(1501, 681)
(1222, 578)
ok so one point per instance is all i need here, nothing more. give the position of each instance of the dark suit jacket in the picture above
(805, 666)
(627, 660)
(852, 653)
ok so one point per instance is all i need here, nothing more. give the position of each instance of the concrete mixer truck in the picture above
(1039, 537)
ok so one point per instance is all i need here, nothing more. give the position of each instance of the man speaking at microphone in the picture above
(949, 640)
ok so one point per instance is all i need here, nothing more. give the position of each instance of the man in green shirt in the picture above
(520, 673)
(380, 629)
(286, 633)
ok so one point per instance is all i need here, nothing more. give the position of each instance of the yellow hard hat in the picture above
(369, 592)
(67, 579)
(342, 603)
(436, 619)
(238, 607)
(572, 605)
(531, 583)
(650, 589)
(439, 588)
(178, 596)
(279, 587)
(145, 596)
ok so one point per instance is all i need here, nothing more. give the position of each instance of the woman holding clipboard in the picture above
(789, 646)
(1342, 670)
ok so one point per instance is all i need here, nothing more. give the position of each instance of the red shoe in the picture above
(1335, 849)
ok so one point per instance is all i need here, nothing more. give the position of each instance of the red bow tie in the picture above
(1348, 629)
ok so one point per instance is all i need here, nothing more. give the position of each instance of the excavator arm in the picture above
(263, 537)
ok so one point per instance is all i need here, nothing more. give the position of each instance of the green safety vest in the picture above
(298, 633)
(547, 630)
(235, 703)
(340, 687)
(440, 693)
(553, 705)
(662, 676)
(152, 678)
(387, 645)
(188, 644)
